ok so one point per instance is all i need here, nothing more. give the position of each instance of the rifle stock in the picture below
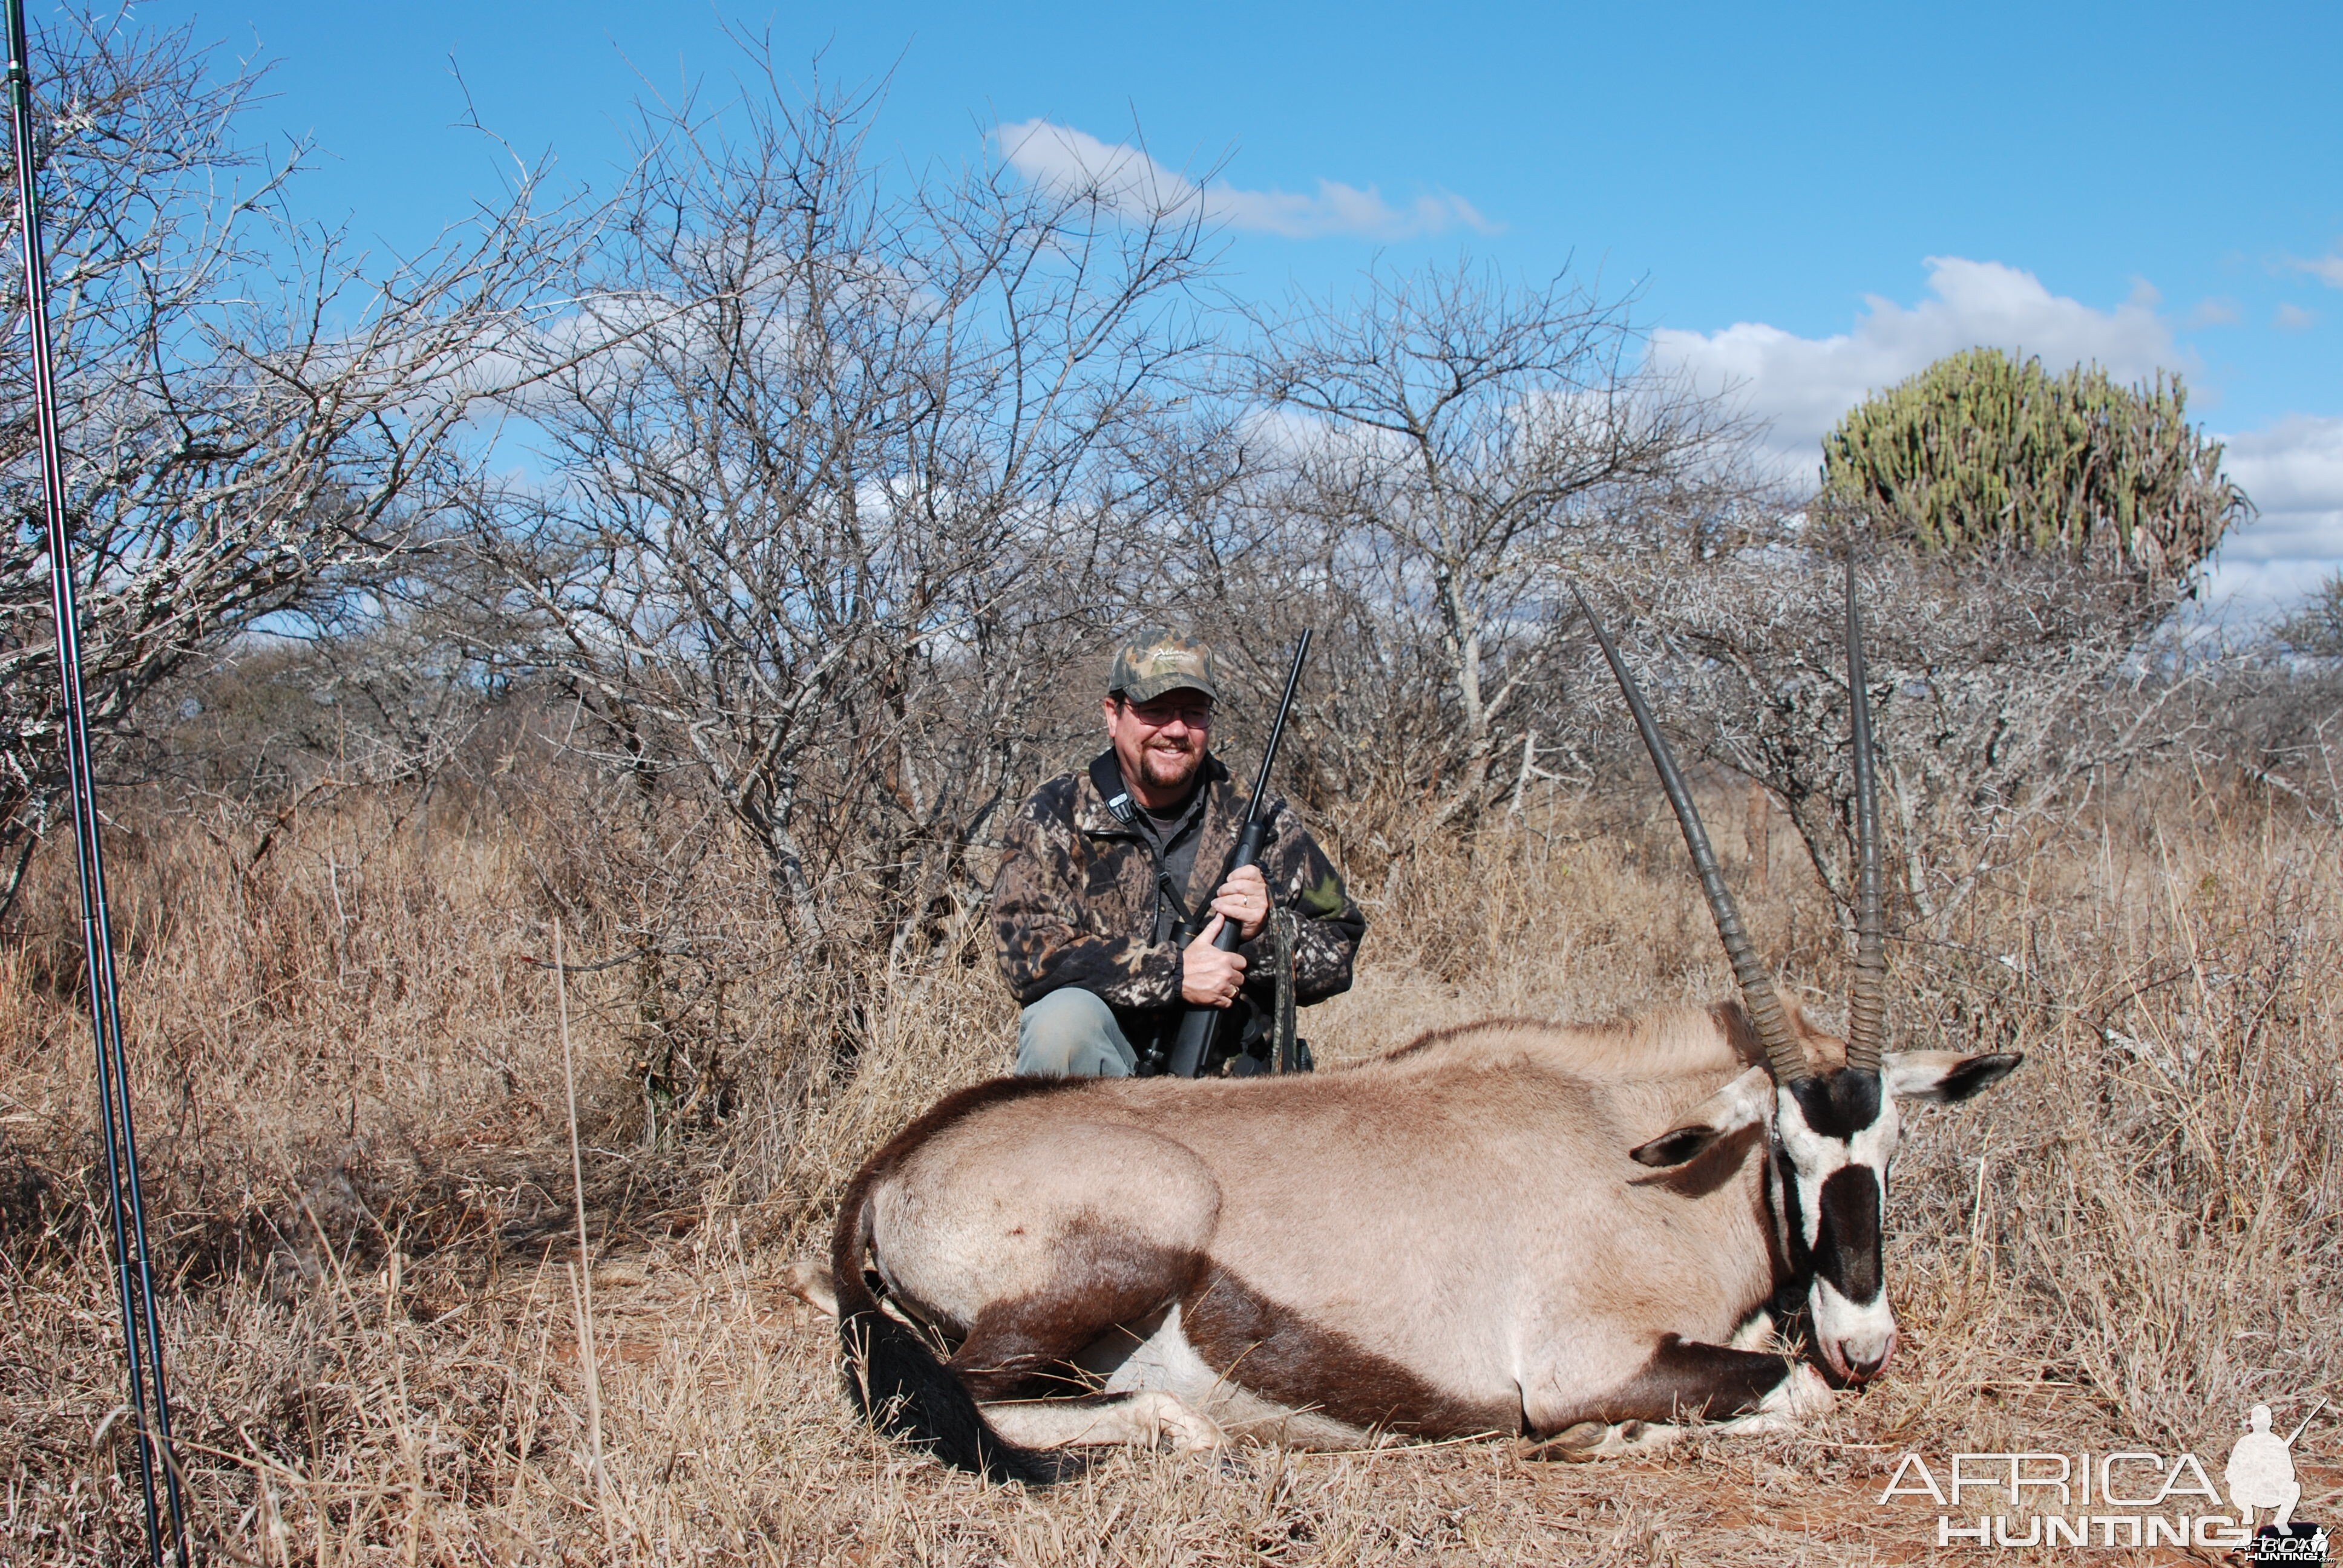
(1193, 1044)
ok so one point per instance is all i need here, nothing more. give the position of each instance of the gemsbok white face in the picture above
(1833, 1138)
(1832, 1134)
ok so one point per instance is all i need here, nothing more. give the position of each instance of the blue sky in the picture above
(1813, 200)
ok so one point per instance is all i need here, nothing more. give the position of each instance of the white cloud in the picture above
(2214, 311)
(2293, 318)
(2294, 467)
(2242, 589)
(1801, 386)
(2328, 268)
(2294, 473)
(1062, 158)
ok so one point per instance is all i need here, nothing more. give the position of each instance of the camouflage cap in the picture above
(1158, 660)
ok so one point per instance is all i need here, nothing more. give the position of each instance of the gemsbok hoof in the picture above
(1574, 1444)
(809, 1282)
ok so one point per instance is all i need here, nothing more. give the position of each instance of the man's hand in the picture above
(1209, 977)
(1244, 898)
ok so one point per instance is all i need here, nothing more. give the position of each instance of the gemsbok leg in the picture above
(1734, 1388)
(1035, 1350)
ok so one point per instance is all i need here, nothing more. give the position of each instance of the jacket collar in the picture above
(1103, 779)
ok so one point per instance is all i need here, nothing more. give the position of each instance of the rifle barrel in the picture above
(1199, 1024)
(1277, 731)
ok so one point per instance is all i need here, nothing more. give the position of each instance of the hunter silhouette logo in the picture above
(2260, 1473)
(2126, 1499)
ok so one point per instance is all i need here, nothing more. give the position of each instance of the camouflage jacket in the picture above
(1075, 903)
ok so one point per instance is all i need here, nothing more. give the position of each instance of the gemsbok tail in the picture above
(896, 1380)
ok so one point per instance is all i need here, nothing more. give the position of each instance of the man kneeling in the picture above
(1099, 875)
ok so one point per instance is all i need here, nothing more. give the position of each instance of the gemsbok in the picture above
(1588, 1234)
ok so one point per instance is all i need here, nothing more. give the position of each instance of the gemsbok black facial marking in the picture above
(1846, 1242)
(1839, 1104)
(1839, 1171)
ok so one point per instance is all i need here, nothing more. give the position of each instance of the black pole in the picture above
(141, 1337)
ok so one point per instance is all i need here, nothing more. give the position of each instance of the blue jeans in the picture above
(1071, 1033)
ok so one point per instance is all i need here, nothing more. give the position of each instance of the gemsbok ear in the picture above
(1740, 1103)
(1941, 1077)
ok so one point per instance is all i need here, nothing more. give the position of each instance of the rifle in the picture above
(1201, 1023)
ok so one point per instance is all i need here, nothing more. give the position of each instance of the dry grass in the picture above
(351, 1082)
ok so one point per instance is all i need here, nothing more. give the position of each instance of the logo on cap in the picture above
(1158, 660)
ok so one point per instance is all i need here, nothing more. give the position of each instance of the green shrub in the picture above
(1981, 454)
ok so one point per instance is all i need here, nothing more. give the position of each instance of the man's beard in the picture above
(1163, 768)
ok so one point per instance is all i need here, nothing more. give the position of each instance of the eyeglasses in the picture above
(1157, 716)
